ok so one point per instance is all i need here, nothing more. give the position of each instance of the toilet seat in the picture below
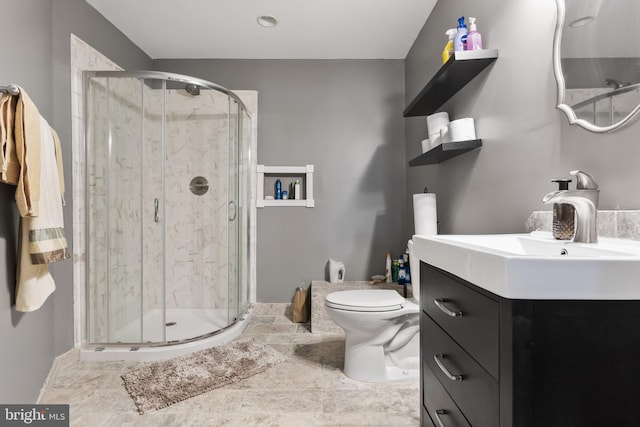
(369, 300)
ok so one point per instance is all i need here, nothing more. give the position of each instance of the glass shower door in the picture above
(120, 173)
(232, 209)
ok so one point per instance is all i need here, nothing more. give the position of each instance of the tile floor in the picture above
(309, 389)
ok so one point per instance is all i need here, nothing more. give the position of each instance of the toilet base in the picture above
(371, 363)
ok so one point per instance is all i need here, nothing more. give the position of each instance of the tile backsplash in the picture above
(621, 224)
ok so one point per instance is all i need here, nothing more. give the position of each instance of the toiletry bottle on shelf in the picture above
(447, 52)
(563, 215)
(296, 191)
(460, 40)
(407, 267)
(278, 190)
(394, 270)
(387, 273)
(402, 272)
(474, 38)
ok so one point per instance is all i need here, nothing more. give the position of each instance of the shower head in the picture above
(192, 89)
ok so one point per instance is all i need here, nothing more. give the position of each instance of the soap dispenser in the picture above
(563, 215)
(460, 39)
(474, 39)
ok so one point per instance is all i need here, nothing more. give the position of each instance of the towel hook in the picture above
(11, 89)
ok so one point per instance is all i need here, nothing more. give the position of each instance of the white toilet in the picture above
(382, 331)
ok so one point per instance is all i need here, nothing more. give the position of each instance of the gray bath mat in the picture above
(164, 383)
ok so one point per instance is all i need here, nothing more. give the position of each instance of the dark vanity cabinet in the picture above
(489, 361)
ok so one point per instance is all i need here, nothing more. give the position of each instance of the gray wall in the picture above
(526, 141)
(27, 347)
(35, 45)
(344, 117)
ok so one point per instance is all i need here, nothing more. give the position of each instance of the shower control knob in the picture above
(199, 185)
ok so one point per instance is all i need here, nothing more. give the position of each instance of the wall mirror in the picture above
(596, 61)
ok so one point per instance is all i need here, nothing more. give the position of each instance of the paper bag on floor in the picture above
(301, 306)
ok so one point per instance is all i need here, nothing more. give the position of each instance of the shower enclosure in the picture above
(167, 216)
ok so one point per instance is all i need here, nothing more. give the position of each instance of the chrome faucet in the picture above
(584, 200)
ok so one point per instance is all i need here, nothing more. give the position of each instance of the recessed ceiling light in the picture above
(581, 22)
(267, 21)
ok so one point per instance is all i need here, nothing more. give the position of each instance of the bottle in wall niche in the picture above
(563, 215)
(407, 267)
(402, 272)
(296, 190)
(278, 190)
(387, 271)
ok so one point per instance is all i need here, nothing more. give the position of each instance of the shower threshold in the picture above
(161, 351)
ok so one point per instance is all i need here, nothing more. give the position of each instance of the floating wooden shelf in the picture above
(445, 152)
(461, 68)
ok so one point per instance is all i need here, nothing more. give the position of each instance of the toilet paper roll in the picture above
(425, 213)
(434, 139)
(426, 145)
(444, 135)
(462, 130)
(437, 121)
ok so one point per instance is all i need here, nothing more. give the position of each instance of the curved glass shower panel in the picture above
(197, 253)
(166, 215)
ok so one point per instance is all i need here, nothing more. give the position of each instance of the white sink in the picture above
(536, 266)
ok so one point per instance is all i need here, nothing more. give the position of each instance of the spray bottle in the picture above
(447, 52)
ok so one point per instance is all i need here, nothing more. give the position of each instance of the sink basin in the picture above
(536, 266)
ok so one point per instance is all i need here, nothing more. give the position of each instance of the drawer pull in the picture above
(440, 304)
(437, 413)
(444, 369)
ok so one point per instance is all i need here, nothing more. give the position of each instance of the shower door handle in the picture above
(156, 208)
(233, 211)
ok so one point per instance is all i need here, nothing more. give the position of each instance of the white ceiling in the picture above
(307, 29)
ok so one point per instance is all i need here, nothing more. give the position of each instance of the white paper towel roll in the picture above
(425, 217)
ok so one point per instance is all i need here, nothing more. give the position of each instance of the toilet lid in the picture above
(365, 300)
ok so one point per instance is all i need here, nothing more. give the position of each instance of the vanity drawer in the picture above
(438, 404)
(471, 318)
(476, 393)
(425, 420)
